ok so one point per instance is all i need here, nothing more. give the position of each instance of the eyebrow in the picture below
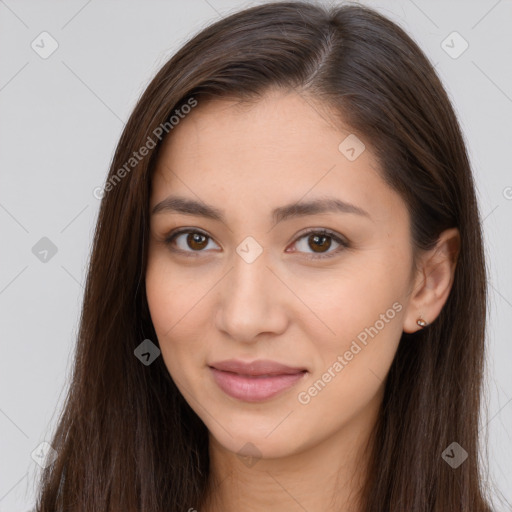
(176, 204)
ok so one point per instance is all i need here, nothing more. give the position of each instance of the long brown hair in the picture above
(126, 439)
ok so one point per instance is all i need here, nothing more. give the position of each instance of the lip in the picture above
(255, 381)
(256, 368)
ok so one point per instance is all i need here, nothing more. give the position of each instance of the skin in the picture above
(281, 454)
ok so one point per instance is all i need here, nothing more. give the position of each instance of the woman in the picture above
(285, 305)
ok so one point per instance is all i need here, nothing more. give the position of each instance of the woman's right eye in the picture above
(189, 241)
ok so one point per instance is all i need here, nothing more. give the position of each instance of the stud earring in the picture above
(421, 322)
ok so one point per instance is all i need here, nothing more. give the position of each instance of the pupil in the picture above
(318, 240)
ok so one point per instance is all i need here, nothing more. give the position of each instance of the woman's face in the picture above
(267, 268)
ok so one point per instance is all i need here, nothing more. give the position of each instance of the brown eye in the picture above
(319, 243)
(189, 241)
(197, 241)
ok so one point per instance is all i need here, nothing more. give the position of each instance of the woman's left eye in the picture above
(319, 241)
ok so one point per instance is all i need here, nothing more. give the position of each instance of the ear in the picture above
(433, 281)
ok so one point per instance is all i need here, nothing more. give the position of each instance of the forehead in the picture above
(281, 145)
(280, 125)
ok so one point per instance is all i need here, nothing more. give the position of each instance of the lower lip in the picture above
(254, 389)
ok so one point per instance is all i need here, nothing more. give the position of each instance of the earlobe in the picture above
(436, 272)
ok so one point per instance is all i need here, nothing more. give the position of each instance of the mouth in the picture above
(256, 368)
(257, 381)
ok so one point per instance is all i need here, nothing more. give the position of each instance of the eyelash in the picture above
(322, 232)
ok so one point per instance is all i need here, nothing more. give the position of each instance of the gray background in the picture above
(60, 121)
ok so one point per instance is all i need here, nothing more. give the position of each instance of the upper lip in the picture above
(259, 367)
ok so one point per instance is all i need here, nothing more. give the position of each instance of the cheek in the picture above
(355, 330)
(160, 296)
(178, 305)
(351, 366)
(346, 303)
(171, 294)
(162, 292)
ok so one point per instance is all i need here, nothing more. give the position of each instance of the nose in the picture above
(252, 302)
